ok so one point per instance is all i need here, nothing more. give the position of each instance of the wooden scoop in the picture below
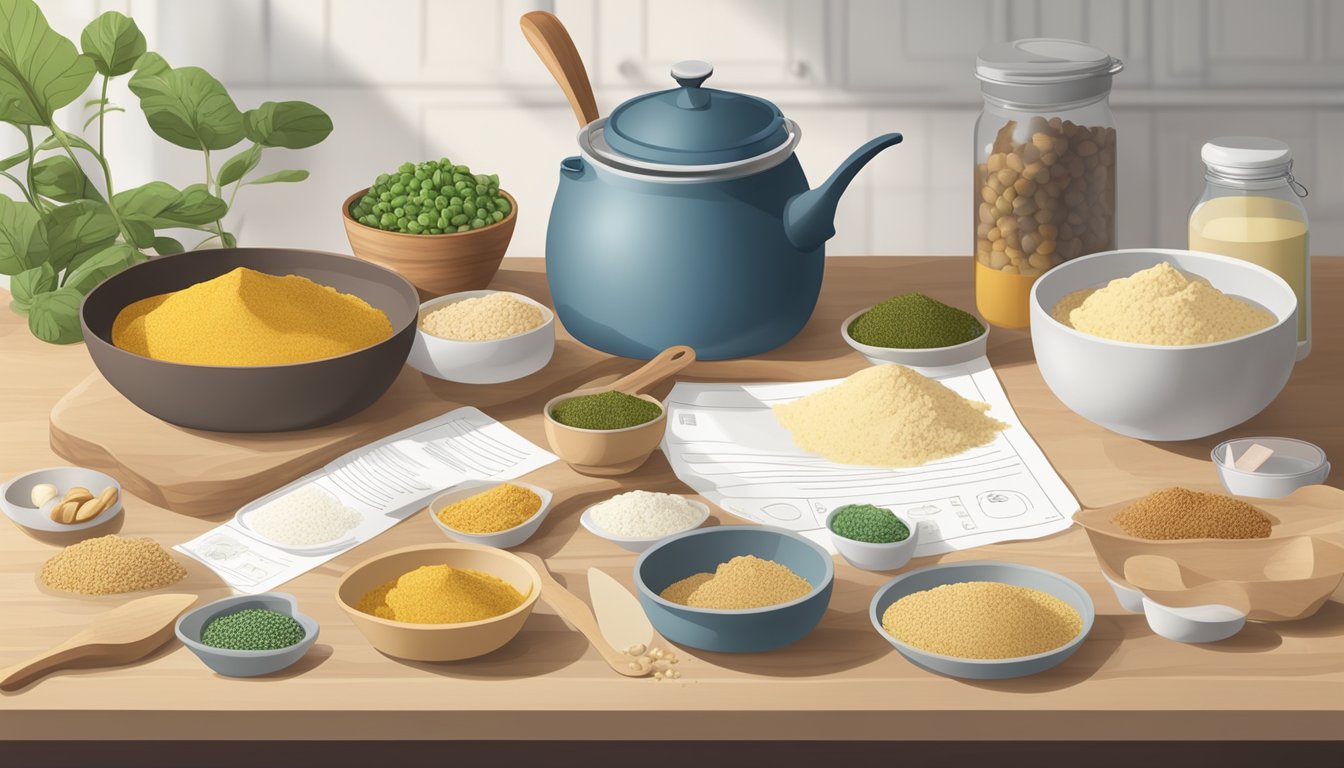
(120, 636)
(555, 48)
(577, 613)
(661, 367)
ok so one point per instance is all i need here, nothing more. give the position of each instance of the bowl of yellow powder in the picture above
(1163, 344)
(439, 602)
(499, 515)
(483, 337)
(251, 339)
(983, 620)
(735, 588)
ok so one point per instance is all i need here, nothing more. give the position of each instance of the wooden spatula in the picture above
(120, 636)
(577, 613)
(619, 616)
(555, 48)
(658, 369)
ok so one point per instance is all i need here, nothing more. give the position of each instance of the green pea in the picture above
(435, 231)
(459, 220)
(453, 210)
(424, 219)
(477, 223)
(440, 202)
(469, 208)
(414, 227)
(463, 228)
(420, 174)
(497, 216)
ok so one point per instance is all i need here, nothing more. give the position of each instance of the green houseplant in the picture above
(66, 232)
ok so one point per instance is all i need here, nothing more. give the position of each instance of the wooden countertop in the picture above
(1280, 681)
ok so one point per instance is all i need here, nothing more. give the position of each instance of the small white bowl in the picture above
(1130, 598)
(244, 519)
(16, 498)
(638, 544)
(932, 357)
(1196, 624)
(482, 362)
(1295, 463)
(876, 557)
(505, 539)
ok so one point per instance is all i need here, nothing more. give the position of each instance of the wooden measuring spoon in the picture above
(662, 366)
(120, 636)
(619, 617)
(549, 38)
(577, 612)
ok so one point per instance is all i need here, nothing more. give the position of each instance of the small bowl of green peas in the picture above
(442, 227)
(248, 635)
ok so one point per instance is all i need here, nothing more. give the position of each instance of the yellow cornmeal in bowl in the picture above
(441, 594)
(746, 581)
(1160, 306)
(245, 317)
(982, 620)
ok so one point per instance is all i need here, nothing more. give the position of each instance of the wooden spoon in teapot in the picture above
(556, 49)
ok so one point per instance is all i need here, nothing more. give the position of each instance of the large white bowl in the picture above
(1165, 393)
(483, 362)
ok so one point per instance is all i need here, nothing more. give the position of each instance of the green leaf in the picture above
(78, 230)
(51, 142)
(281, 176)
(23, 238)
(54, 316)
(100, 266)
(166, 246)
(100, 113)
(30, 283)
(160, 205)
(186, 106)
(142, 233)
(60, 179)
(40, 71)
(239, 165)
(288, 124)
(228, 240)
(195, 207)
(147, 201)
(113, 42)
(13, 160)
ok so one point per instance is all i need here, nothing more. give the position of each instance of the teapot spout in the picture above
(809, 217)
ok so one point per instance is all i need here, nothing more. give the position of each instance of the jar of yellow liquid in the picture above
(1251, 210)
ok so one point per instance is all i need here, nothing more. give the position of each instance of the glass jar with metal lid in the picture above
(1251, 210)
(1045, 167)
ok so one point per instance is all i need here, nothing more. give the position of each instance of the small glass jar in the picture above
(1251, 210)
(1045, 167)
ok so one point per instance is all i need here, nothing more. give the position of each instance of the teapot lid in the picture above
(693, 125)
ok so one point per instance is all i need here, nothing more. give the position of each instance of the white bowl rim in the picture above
(294, 613)
(1088, 619)
(1279, 282)
(547, 315)
(1222, 467)
(93, 522)
(816, 589)
(592, 527)
(883, 545)
(1179, 612)
(867, 349)
(546, 411)
(482, 486)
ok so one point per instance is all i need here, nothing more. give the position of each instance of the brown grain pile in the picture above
(1180, 513)
(110, 565)
(982, 620)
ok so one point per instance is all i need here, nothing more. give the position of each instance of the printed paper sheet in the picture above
(386, 482)
(723, 441)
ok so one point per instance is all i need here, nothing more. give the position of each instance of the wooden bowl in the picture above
(435, 264)
(604, 451)
(438, 642)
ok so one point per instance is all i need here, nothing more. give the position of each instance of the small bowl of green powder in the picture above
(605, 433)
(872, 538)
(913, 329)
(248, 635)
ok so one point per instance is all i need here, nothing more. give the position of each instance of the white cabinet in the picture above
(1249, 43)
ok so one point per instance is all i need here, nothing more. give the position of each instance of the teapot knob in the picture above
(692, 72)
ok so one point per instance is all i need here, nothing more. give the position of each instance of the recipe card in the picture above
(723, 441)
(385, 482)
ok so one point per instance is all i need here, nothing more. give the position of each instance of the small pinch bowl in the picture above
(439, 642)
(493, 361)
(932, 357)
(231, 663)
(875, 557)
(505, 539)
(16, 502)
(435, 264)
(605, 452)
(1295, 464)
(1194, 624)
(636, 544)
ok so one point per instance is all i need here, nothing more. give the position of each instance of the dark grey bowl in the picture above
(262, 398)
(246, 663)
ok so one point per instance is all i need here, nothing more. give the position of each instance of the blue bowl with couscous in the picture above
(746, 630)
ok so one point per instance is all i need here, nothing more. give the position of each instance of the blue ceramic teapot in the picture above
(686, 219)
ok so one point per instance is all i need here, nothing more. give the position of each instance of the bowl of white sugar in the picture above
(482, 337)
(636, 520)
(305, 519)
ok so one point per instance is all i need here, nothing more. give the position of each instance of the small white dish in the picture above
(482, 362)
(876, 557)
(933, 357)
(243, 518)
(505, 539)
(1295, 463)
(1130, 598)
(16, 498)
(1196, 624)
(638, 544)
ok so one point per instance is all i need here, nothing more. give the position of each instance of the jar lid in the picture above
(693, 125)
(1045, 70)
(1247, 157)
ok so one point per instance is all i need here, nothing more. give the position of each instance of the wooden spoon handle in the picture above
(577, 612)
(669, 362)
(46, 662)
(555, 48)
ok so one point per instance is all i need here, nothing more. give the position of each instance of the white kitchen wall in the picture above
(409, 79)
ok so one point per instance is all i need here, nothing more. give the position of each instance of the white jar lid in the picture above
(1041, 71)
(1247, 157)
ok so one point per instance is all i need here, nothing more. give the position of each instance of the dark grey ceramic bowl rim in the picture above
(816, 589)
(221, 607)
(1089, 617)
(402, 284)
